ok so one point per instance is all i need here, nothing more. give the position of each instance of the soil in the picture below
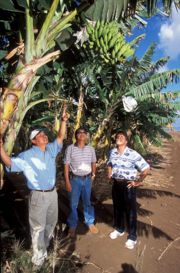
(158, 246)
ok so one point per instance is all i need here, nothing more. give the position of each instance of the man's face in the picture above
(81, 135)
(40, 139)
(121, 139)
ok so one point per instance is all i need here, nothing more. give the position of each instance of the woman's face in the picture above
(121, 140)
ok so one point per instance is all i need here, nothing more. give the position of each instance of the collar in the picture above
(125, 150)
(37, 149)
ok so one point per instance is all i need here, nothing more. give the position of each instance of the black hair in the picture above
(122, 133)
(79, 129)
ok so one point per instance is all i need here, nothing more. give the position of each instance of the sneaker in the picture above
(115, 234)
(93, 229)
(72, 232)
(130, 244)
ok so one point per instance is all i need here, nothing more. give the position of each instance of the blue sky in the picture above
(165, 31)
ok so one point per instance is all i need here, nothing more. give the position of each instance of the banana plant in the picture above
(37, 51)
(140, 79)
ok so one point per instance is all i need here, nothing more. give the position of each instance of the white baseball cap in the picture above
(35, 133)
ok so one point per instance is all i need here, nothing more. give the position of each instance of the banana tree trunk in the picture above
(79, 113)
(34, 57)
(103, 125)
(101, 128)
(138, 145)
(16, 91)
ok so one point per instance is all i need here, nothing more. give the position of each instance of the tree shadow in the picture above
(104, 214)
(14, 207)
(128, 268)
(153, 194)
(155, 160)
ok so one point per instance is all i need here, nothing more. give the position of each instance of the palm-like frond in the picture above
(155, 83)
(109, 10)
(146, 60)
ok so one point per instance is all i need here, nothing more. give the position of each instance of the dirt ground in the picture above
(158, 247)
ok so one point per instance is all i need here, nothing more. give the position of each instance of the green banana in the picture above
(105, 39)
(129, 52)
(101, 27)
(98, 43)
(104, 58)
(113, 54)
(91, 44)
(92, 37)
(89, 29)
(113, 40)
(97, 25)
(124, 48)
(96, 33)
(107, 56)
(118, 55)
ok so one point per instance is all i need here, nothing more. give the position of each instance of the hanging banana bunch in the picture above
(108, 42)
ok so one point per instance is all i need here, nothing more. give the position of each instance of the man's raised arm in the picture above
(62, 130)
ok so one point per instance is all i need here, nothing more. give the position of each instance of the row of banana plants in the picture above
(97, 69)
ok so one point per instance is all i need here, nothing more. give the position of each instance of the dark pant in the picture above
(124, 203)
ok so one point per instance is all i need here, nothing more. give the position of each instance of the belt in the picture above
(121, 180)
(45, 190)
(81, 176)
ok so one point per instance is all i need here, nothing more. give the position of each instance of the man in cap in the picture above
(38, 164)
(123, 167)
(80, 169)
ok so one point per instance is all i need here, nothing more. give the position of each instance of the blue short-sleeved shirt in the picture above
(38, 167)
(126, 165)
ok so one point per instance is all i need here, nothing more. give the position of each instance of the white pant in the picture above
(43, 215)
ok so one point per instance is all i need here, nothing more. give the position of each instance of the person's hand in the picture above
(65, 114)
(93, 177)
(68, 187)
(132, 184)
(110, 178)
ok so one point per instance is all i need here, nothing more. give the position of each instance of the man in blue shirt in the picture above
(39, 167)
(124, 164)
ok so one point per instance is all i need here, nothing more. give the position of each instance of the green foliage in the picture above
(103, 83)
(109, 10)
(19, 261)
(138, 145)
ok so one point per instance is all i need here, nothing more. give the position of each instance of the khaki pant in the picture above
(43, 215)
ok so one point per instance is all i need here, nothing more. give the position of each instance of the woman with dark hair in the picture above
(127, 169)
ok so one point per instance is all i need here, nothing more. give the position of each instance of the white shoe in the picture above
(130, 244)
(115, 234)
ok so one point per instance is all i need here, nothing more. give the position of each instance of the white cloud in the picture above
(169, 35)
